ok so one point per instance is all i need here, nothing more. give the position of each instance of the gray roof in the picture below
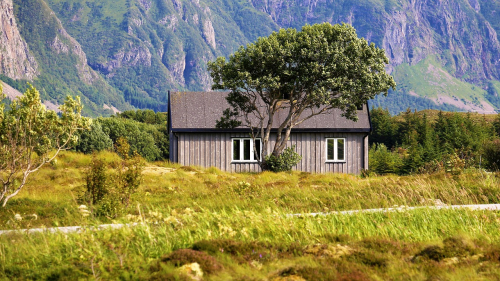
(199, 111)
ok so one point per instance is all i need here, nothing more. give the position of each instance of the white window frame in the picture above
(335, 150)
(252, 154)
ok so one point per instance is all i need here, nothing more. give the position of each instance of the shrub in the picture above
(109, 194)
(96, 181)
(181, 257)
(93, 140)
(284, 162)
(140, 136)
(383, 161)
(492, 155)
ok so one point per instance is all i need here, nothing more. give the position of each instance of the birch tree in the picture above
(32, 136)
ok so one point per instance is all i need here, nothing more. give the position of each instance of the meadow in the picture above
(237, 227)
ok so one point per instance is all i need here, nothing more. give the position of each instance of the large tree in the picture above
(302, 73)
(31, 136)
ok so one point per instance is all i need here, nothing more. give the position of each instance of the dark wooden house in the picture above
(328, 143)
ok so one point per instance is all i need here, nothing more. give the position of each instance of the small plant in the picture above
(110, 194)
(129, 176)
(96, 181)
(454, 164)
(284, 162)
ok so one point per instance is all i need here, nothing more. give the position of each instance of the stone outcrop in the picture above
(411, 30)
(16, 61)
(209, 33)
(132, 56)
(64, 43)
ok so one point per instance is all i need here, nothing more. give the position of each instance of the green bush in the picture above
(93, 140)
(96, 182)
(284, 162)
(492, 155)
(383, 161)
(140, 136)
(109, 193)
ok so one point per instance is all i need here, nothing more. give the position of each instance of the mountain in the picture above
(444, 54)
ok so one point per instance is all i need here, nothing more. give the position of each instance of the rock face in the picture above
(143, 48)
(15, 59)
(456, 31)
(87, 74)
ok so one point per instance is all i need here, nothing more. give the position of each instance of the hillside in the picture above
(443, 54)
(237, 227)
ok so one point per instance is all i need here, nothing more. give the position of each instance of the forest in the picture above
(431, 141)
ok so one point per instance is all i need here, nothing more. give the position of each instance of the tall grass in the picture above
(241, 221)
(134, 249)
(51, 194)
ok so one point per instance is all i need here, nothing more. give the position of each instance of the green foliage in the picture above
(228, 121)
(129, 176)
(93, 140)
(109, 193)
(31, 136)
(283, 162)
(427, 146)
(150, 141)
(385, 128)
(286, 72)
(492, 155)
(383, 161)
(147, 116)
(96, 182)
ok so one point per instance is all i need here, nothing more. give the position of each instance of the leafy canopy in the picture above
(302, 74)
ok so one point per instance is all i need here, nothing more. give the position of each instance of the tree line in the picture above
(144, 130)
(413, 142)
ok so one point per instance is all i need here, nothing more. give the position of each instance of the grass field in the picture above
(235, 226)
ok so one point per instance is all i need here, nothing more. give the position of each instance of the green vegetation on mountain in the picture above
(444, 55)
(62, 68)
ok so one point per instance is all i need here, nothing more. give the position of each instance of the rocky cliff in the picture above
(460, 36)
(443, 53)
(15, 58)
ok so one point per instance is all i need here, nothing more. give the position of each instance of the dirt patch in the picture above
(115, 110)
(10, 92)
(153, 170)
(485, 108)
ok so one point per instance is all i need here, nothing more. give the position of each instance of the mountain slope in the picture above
(16, 60)
(444, 54)
(461, 37)
(63, 65)
(145, 48)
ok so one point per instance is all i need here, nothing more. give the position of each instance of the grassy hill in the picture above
(236, 227)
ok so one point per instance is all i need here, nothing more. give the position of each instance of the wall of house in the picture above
(214, 149)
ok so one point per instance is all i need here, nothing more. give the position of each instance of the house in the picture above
(328, 143)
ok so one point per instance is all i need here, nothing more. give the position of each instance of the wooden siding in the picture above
(214, 149)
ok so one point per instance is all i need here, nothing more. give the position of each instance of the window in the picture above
(335, 150)
(243, 150)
